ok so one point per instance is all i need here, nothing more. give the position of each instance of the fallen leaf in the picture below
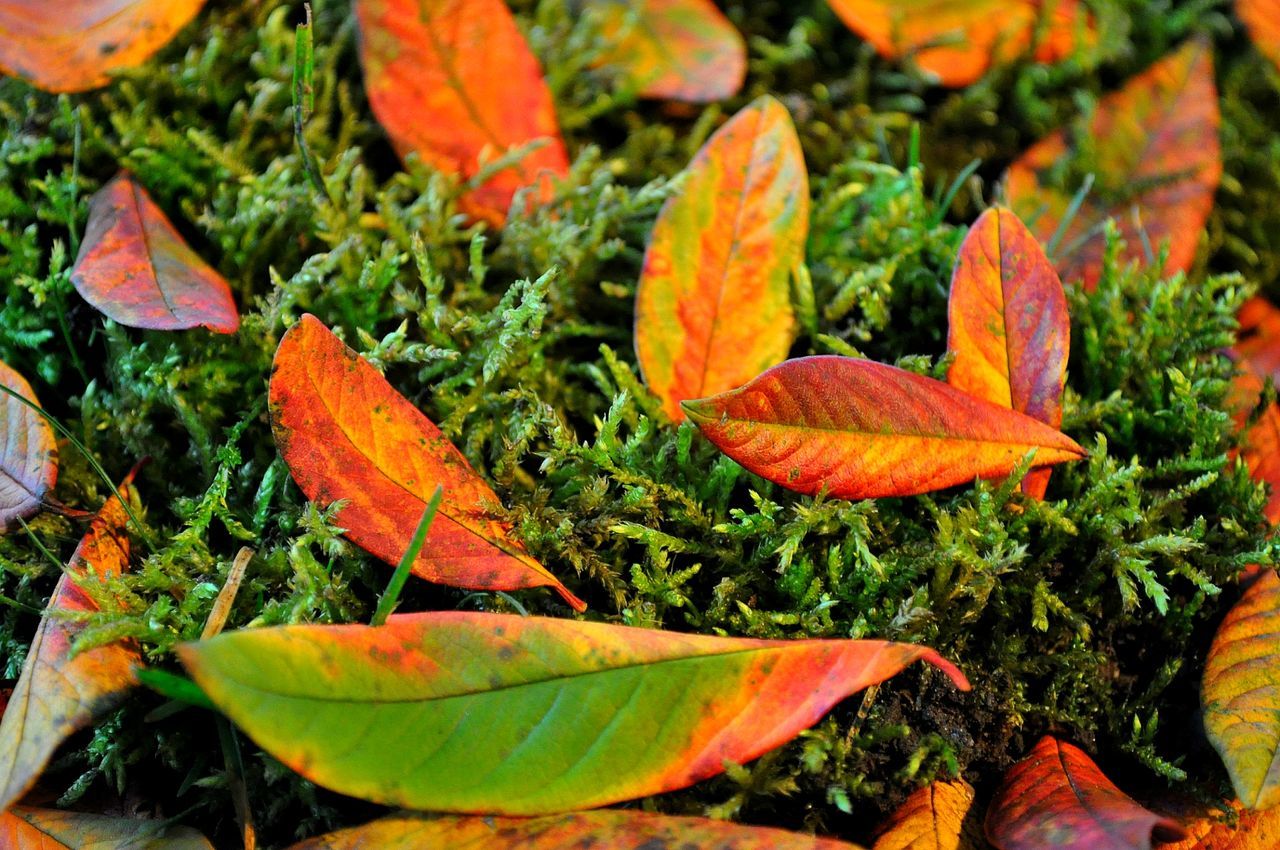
(1009, 326)
(345, 433)
(455, 82)
(1057, 798)
(608, 829)
(56, 694)
(1153, 151)
(938, 816)
(524, 715)
(863, 430)
(1262, 19)
(24, 828)
(1257, 347)
(1260, 447)
(713, 306)
(1241, 693)
(1244, 830)
(957, 41)
(682, 50)
(136, 269)
(87, 41)
(28, 452)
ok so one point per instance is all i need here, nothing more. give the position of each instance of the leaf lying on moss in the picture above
(597, 713)
(25, 828)
(28, 452)
(936, 817)
(1235, 829)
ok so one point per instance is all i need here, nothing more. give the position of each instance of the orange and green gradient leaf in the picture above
(525, 715)
(28, 452)
(57, 693)
(135, 268)
(1058, 799)
(607, 829)
(1241, 693)
(1262, 20)
(1156, 160)
(346, 433)
(957, 41)
(713, 306)
(455, 82)
(86, 41)
(862, 430)
(939, 816)
(683, 50)
(25, 828)
(1009, 327)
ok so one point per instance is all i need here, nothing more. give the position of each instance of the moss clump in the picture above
(1088, 614)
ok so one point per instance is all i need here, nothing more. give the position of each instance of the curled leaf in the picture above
(863, 430)
(938, 816)
(455, 82)
(346, 433)
(713, 307)
(136, 269)
(1153, 150)
(28, 452)
(25, 828)
(597, 713)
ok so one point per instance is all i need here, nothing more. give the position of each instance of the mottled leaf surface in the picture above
(24, 828)
(524, 716)
(939, 816)
(455, 82)
(1262, 20)
(1153, 150)
(682, 50)
(28, 452)
(1009, 329)
(1241, 693)
(713, 307)
(135, 268)
(57, 694)
(862, 430)
(957, 41)
(1058, 798)
(599, 830)
(346, 433)
(86, 41)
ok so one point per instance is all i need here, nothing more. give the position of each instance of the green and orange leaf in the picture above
(24, 828)
(597, 713)
(1241, 693)
(1009, 327)
(1155, 157)
(58, 694)
(346, 433)
(939, 816)
(87, 41)
(862, 430)
(28, 452)
(135, 268)
(957, 41)
(1262, 19)
(713, 307)
(455, 82)
(607, 829)
(683, 50)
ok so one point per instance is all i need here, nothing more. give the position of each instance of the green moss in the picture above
(1088, 614)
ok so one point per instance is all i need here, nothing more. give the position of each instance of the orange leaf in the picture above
(56, 694)
(1156, 162)
(135, 268)
(1244, 830)
(1262, 20)
(957, 41)
(1057, 798)
(1257, 347)
(24, 828)
(86, 41)
(608, 829)
(682, 50)
(1241, 693)
(455, 82)
(347, 434)
(863, 430)
(1009, 327)
(713, 307)
(1260, 448)
(28, 452)
(936, 817)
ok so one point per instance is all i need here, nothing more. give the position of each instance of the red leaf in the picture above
(28, 452)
